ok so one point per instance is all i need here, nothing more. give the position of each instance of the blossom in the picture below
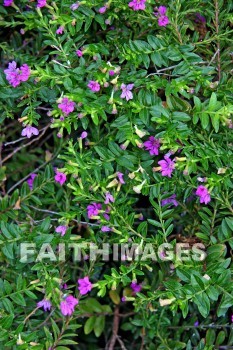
(137, 5)
(163, 21)
(170, 200)
(108, 198)
(93, 209)
(102, 9)
(106, 229)
(60, 30)
(31, 180)
(94, 86)
(200, 18)
(196, 324)
(67, 306)
(41, 3)
(204, 194)
(167, 166)
(152, 145)
(7, 2)
(120, 177)
(75, 6)
(162, 18)
(79, 53)
(16, 75)
(136, 287)
(111, 73)
(126, 93)
(85, 285)
(45, 303)
(66, 105)
(29, 131)
(61, 229)
(83, 135)
(60, 177)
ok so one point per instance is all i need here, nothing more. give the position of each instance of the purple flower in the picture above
(24, 72)
(170, 200)
(66, 105)
(60, 177)
(152, 145)
(85, 285)
(108, 198)
(7, 2)
(137, 5)
(203, 193)
(136, 287)
(167, 166)
(94, 86)
(29, 131)
(16, 75)
(102, 9)
(67, 306)
(93, 209)
(75, 6)
(200, 18)
(106, 229)
(196, 323)
(126, 93)
(45, 303)
(83, 135)
(231, 318)
(162, 10)
(41, 3)
(111, 73)
(120, 177)
(31, 180)
(60, 30)
(79, 53)
(163, 21)
(61, 229)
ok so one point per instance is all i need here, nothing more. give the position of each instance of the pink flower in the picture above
(61, 229)
(167, 166)
(163, 21)
(120, 177)
(102, 9)
(126, 93)
(60, 30)
(170, 200)
(45, 303)
(41, 3)
(75, 6)
(152, 145)
(105, 229)
(67, 306)
(31, 180)
(94, 86)
(60, 177)
(16, 75)
(79, 53)
(83, 135)
(108, 198)
(162, 10)
(111, 73)
(203, 193)
(136, 287)
(29, 131)
(85, 285)
(7, 2)
(66, 105)
(93, 209)
(137, 5)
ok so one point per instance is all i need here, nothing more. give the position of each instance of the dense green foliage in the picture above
(182, 96)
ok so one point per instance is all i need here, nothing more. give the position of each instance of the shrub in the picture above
(116, 162)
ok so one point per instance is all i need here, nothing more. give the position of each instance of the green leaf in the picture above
(89, 325)
(99, 325)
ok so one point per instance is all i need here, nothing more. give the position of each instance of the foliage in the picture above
(182, 96)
